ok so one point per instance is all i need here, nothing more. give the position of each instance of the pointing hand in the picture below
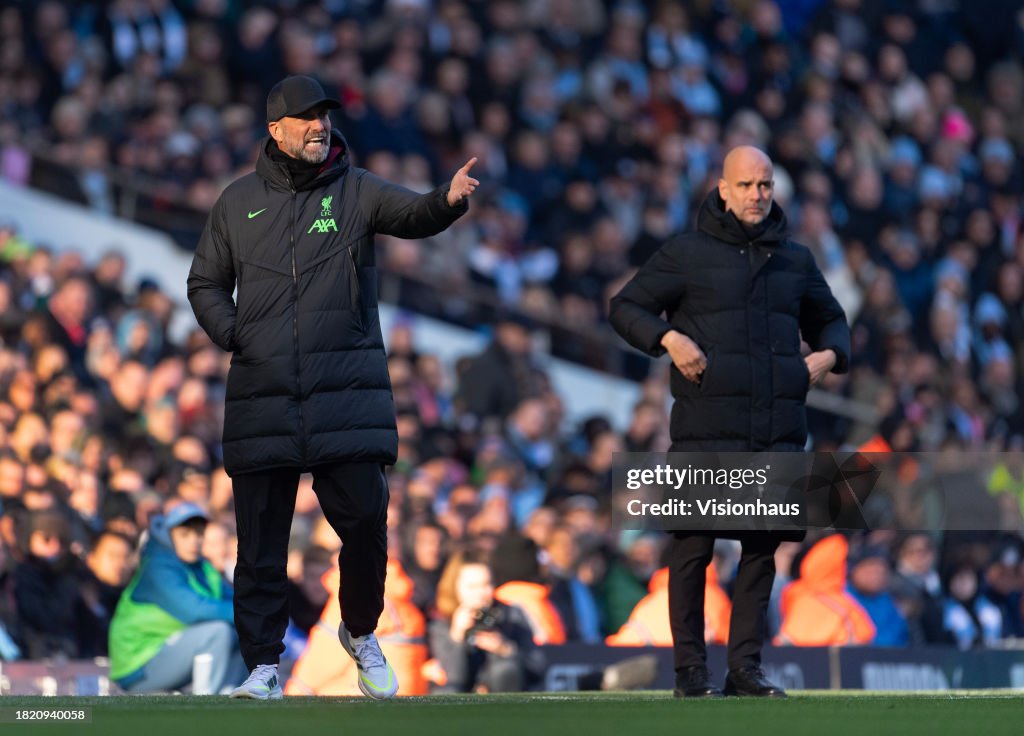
(462, 184)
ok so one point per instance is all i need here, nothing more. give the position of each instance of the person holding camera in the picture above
(480, 644)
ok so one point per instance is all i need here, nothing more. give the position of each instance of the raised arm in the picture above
(394, 210)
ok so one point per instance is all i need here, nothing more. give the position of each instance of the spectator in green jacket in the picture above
(175, 607)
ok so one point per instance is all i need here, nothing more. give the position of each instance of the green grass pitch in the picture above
(963, 713)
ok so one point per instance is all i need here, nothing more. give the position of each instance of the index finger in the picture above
(468, 165)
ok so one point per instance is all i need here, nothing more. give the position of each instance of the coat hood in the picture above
(335, 165)
(717, 222)
(824, 567)
(158, 542)
(160, 533)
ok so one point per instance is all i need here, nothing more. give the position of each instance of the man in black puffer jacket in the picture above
(737, 295)
(308, 388)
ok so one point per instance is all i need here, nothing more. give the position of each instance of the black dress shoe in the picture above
(695, 682)
(751, 682)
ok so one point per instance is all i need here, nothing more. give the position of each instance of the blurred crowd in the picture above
(895, 126)
(105, 423)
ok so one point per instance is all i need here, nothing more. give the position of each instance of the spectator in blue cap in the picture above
(934, 187)
(176, 606)
(869, 582)
(989, 321)
(901, 178)
(997, 157)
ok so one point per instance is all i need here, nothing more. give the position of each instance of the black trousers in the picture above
(689, 555)
(354, 498)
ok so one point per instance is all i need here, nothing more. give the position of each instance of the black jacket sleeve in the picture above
(211, 281)
(657, 287)
(822, 320)
(394, 210)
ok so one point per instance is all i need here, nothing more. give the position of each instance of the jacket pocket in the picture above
(706, 376)
(339, 264)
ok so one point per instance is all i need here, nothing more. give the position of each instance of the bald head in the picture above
(746, 184)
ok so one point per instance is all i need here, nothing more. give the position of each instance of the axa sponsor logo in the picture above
(325, 223)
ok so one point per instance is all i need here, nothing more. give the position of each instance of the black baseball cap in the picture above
(294, 95)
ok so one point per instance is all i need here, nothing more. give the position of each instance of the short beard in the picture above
(310, 157)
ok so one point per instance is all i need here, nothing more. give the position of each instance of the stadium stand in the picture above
(897, 129)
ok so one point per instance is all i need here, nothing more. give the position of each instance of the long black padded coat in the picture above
(745, 302)
(308, 382)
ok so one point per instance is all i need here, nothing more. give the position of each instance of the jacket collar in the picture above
(336, 164)
(714, 220)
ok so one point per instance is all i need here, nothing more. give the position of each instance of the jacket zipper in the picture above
(357, 292)
(295, 331)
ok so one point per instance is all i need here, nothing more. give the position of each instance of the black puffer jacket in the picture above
(308, 382)
(745, 302)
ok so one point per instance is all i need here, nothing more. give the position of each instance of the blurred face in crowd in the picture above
(601, 455)
(45, 545)
(642, 557)
(65, 429)
(28, 432)
(73, 301)
(540, 525)
(463, 505)
(85, 493)
(22, 393)
(429, 369)
(217, 545)
(50, 361)
(917, 555)
(110, 269)
(646, 421)
(514, 338)
(306, 136)
(746, 184)
(562, 549)
(531, 419)
(194, 487)
(187, 539)
(428, 546)
(1005, 574)
(964, 584)
(871, 576)
(474, 588)
(111, 560)
(129, 388)
(162, 422)
(12, 477)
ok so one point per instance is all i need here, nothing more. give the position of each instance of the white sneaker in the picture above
(376, 678)
(263, 683)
